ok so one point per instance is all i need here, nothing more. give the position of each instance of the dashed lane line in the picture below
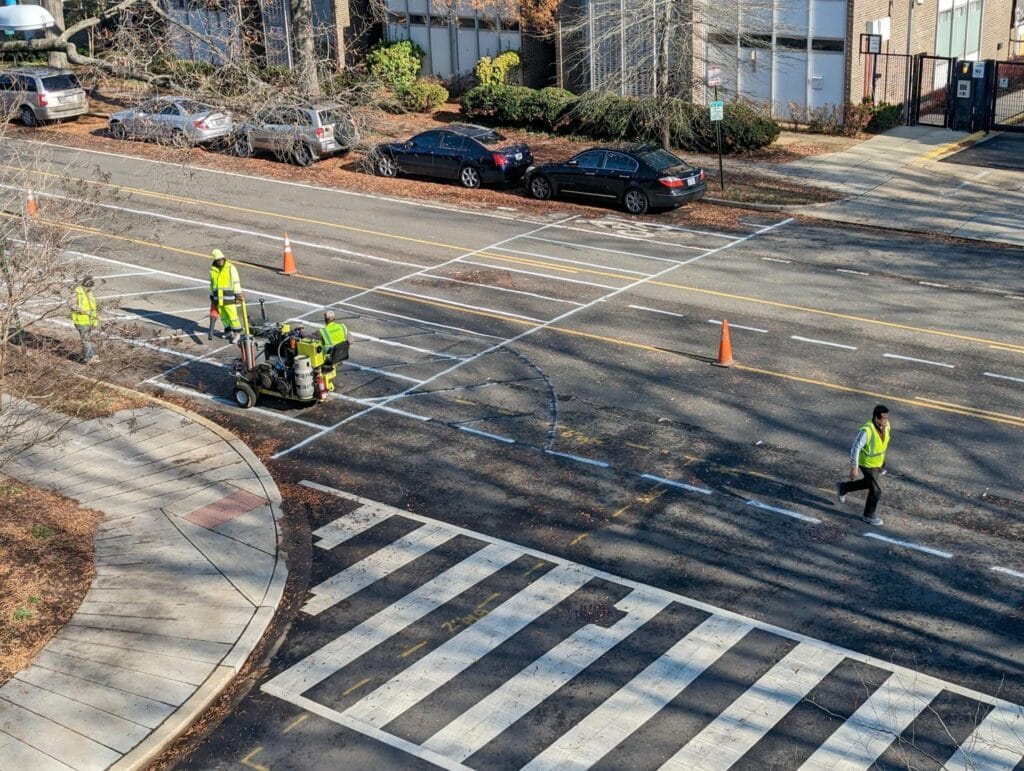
(909, 545)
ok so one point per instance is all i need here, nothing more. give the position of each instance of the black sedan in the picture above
(470, 154)
(638, 178)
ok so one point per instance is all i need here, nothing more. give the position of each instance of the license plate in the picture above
(215, 123)
(519, 156)
(691, 181)
(67, 99)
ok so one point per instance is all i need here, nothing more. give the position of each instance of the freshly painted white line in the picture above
(578, 458)
(868, 732)
(446, 301)
(589, 248)
(391, 410)
(416, 682)
(374, 370)
(931, 283)
(549, 276)
(742, 724)
(641, 698)
(776, 259)
(342, 529)
(909, 545)
(919, 361)
(478, 725)
(567, 261)
(343, 650)
(124, 275)
(494, 288)
(655, 310)
(395, 344)
(854, 272)
(785, 512)
(737, 326)
(1007, 571)
(666, 228)
(680, 485)
(1004, 377)
(374, 567)
(822, 342)
(230, 403)
(996, 744)
(415, 320)
(486, 434)
(189, 359)
(155, 291)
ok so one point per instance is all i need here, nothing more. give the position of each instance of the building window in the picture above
(395, 17)
(418, 20)
(722, 38)
(488, 24)
(510, 25)
(791, 43)
(467, 22)
(438, 21)
(827, 44)
(959, 30)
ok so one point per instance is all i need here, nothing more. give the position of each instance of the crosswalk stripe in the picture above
(321, 664)
(501, 708)
(415, 683)
(729, 736)
(997, 743)
(642, 697)
(876, 724)
(376, 566)
(342, 529)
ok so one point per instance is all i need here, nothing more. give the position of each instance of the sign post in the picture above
(717, 109)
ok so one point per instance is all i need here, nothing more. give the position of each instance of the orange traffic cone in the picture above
(724, 348)
(288, 268)
(31, 205)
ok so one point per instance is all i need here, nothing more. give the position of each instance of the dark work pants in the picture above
(869, 483)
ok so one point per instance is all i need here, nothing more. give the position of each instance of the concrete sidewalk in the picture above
(188, 576)
(896, 180)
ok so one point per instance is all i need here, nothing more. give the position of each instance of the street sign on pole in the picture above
(714, 77)
(717, 110)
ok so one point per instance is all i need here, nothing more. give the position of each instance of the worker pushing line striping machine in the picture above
(280, 360)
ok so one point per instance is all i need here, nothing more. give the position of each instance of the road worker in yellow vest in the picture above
(867, 456)
(85, 317)
(334, 334)
(225, 289)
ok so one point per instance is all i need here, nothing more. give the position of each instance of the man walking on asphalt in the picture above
(868, 456)
(84, 317)
(225, 288)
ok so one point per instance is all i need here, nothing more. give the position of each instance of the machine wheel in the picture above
(385, 166)
(28, 118)
(469, 176)
(118, 130)
(245, 397)
(302, 155)
(242, 146)
(636, 201)
(178, 138)
(540, 187)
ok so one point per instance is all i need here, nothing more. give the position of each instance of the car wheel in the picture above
(242, 147)
(178, 138)
(301, 155)
(385, 166)
(28, 117)
(245, 397)
(469, 177)
(540, 187)
(636, 201)
(118, 130)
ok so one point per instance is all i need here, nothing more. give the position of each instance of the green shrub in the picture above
(276, 74)
(396, 64)
(884, 117)
(549, 107)
(478, 102)
(495, 72)
(423, 95)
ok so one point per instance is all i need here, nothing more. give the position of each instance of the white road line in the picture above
(486, 434)
(854, 272)
(554, 277)
(578, 458)
(655, 310)
(785, 512)
(776, 259)
(416, 320)
(458, 304)
(742, 724)
(680, 485)
(666, 228)
(230, 403)
(931, 283)
(382, 373)
(189, 360)
(996, 744)
(588, 248)
(567, 261)
(909, 545)
(155, 291)
(919, 361)
(478, 725)
(737, 326)
(406, 346)
(540, 327)
(861, 740)
(641, 698)
(416, 682)
(1007, 571)
(342, 529)
(492, 287)
(124, 275)
(1004, 377)
(822, 342)
(376, 566)
(342, 651)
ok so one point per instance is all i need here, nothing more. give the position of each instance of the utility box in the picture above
(970, 86)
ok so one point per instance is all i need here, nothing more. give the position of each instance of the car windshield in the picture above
(327, 117)
(190, 107)
(60, 82)
(660, 159)
(481, 134)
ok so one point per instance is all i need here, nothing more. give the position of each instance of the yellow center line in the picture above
(484, 603)
(412, 650)
(536, 566)
(624, 508)
(356, 687)
(577, 539)
(295, 723)
(248, 760)
(972, 409)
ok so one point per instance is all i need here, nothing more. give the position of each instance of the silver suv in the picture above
(37, 94)
(297, 133)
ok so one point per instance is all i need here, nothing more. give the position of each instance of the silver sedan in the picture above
(176, 119)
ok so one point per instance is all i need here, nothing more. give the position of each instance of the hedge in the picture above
(600, 115)
(395, 64)
(423, 96)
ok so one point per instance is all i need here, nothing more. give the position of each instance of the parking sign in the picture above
(714, 76)
(717, 110)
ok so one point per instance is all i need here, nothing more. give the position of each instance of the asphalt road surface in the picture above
(610, 550)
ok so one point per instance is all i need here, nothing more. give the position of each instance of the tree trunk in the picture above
(664, 80)
(56, 8)
(305, 50)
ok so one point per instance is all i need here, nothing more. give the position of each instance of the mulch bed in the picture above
(46, 567)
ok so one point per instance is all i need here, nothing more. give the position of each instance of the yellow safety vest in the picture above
(872, 454)
(224, 283)
(84, 314)
(332, 334)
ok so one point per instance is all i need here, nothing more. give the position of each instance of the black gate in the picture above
(889, 79)
(932, 78)
(1007, 107)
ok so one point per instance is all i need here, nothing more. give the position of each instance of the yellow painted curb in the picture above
(950, 147)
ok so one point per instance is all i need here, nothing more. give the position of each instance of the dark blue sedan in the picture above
(470, 154)
(637, 178)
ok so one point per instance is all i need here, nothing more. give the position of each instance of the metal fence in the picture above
(931, 103)
(1008, 97)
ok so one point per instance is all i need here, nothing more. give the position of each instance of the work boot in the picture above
(872, 521)
(840, 498)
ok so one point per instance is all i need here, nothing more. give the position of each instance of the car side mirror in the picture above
(574, 163)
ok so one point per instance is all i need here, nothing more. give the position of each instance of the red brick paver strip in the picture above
(227, 508)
